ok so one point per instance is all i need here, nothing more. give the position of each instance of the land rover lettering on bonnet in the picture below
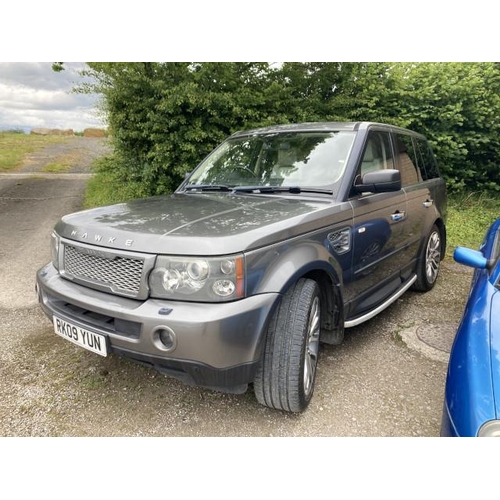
(281, 239)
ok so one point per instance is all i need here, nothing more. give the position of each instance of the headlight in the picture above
(54, 250)
(490, 429)
(199, 279)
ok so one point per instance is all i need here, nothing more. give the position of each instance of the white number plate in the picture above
(94, 342)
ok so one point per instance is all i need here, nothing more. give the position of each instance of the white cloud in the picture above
(33, 95)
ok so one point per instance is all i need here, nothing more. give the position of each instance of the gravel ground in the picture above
(386, 379)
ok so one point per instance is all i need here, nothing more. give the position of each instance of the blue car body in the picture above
(472, 392)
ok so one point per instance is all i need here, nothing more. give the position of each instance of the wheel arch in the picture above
(442, 231)
(332, 310)
(277, 271)
(440, 224)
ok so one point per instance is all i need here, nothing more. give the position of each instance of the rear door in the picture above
(419, 199)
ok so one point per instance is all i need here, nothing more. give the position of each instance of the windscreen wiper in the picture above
(207, 187)
(279, 189)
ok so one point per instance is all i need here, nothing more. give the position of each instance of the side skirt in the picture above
(361, 319)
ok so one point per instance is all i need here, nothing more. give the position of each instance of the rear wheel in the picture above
(286, 375)
(428, 266)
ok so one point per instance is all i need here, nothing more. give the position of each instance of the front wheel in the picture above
(429, 262)
(287, 372)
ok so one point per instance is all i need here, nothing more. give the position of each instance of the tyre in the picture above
(287, 372)
(430, 259)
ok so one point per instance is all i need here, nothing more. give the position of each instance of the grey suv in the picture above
(282, 238)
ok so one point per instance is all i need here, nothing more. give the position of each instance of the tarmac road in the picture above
(386, 379)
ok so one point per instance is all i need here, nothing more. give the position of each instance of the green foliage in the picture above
(456, 105)
(165, 117)
(13, 131)
(58, 67)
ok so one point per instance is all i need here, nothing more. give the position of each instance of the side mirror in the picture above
(470, 258)
(379, 181)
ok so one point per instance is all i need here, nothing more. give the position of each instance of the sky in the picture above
(32, 95)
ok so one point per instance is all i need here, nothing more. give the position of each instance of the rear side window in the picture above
(407, 160)
(426, 160)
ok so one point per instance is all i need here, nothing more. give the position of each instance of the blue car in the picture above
(472, 393)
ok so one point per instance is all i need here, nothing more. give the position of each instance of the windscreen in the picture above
(314, 159)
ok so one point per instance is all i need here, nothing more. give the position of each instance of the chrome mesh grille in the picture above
(121, 274)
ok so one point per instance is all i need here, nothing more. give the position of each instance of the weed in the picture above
(94, 381)
(56, 167)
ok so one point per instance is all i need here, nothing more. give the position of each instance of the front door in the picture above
(378, 234)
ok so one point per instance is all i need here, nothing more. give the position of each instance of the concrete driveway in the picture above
(387, 379)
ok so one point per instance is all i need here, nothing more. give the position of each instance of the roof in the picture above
(319, 127)
(300, 127)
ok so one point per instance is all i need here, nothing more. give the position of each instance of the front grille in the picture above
(106, 270)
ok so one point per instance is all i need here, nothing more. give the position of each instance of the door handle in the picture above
(398, 216)
(428, 203)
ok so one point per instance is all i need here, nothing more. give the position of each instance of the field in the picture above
(15, 146)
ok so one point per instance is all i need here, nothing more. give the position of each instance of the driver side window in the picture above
(377, 154)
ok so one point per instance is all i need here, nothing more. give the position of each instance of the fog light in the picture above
(165, 339)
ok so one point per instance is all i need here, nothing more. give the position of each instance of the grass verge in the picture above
(15, 146)
(469, 216)
(107, 187)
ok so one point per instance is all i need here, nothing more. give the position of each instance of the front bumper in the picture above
(217, 345)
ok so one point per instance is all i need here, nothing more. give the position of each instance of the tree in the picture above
(456, 105)
(165, 117)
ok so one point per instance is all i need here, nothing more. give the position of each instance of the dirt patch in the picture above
(73, 156)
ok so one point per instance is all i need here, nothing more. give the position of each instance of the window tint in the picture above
(426, 160)
(378, 153)
(407, 160)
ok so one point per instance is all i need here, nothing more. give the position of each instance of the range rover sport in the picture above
(282, 238)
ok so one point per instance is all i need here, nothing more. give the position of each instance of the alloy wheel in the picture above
(433, 257)
(312, 346)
